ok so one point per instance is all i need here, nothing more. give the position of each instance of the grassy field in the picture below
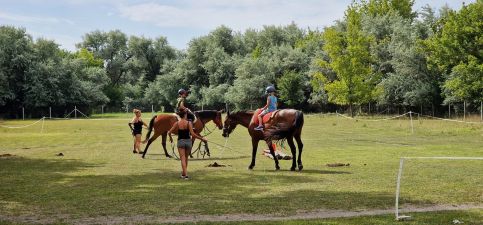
(100, 176)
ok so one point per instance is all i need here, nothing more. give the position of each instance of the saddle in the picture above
(267, 117)
(178, 118)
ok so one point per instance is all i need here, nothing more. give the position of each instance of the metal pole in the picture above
(50, 112)
(102, 110)
(449, 110)
(411, 117)
(23, 113)
(42, 130)
(152, 109)
(398, 184)
(75, 112)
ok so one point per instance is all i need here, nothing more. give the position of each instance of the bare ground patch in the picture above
(318, 214)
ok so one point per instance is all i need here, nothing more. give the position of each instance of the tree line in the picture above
(381, 53)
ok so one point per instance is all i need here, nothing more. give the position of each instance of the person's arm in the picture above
(195, 134)
(145, 125)
(182, 107)
(130, 124)
(268, 103)
(173, 128)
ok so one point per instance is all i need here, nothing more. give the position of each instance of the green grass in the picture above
(100, 176)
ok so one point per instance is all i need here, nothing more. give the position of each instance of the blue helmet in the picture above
(270, 89)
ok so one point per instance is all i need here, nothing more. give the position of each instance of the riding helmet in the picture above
(182, 91)
(270, 89)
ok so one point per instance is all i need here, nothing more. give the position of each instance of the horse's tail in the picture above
(283, 131)
(150, 128)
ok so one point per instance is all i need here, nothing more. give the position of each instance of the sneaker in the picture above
(259, 127)
(186, 178)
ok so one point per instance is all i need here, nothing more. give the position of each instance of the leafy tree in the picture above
(456, 51)
(350, 59)
(15, 58)
(291, 88)
(249, 86)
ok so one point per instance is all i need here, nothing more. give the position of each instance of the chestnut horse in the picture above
(163, 123)
(285, 124)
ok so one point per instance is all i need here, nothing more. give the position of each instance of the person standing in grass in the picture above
(185, 131)
(138, 124)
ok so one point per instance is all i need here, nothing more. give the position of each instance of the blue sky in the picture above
(180, 21)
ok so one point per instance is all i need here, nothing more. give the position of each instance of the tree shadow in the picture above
(47, 188)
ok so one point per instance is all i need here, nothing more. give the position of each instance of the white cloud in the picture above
(33, 19)
(238, 15)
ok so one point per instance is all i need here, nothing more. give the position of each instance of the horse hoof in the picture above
(251, 167)
(277, 168)
(169, 156)
(300, 168)
(292, 168)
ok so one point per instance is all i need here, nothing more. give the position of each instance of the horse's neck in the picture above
(245, 118)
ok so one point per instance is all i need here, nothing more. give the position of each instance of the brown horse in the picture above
(163, 123)
(285, 124)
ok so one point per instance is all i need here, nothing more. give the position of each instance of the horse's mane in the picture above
(243, 112)
(206, 113)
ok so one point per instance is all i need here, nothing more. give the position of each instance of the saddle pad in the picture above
(265, 118)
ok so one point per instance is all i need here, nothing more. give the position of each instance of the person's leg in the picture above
(182, 157)
(188, 152)
(138, 143)
(134, 144)
(260, 120)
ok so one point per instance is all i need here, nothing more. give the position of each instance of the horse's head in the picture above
(218, 120)
(230, 124)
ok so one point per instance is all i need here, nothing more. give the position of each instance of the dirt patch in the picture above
(338, 164)
(6, 155)
(215, 164)
(319, 214)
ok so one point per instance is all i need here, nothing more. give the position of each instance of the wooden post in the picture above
(481, 110)
(464, 110)
(449, 110)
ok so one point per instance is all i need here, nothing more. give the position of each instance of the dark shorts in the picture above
(136, 132)
(184, 143)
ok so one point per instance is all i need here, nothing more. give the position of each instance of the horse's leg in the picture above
(300, 146)
(156, 135)
(272, 152)
(254, 152)
(163, 142)
(192, 144)
(294, 153)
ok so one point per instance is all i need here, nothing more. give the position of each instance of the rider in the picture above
(271, 106)
(181, 104)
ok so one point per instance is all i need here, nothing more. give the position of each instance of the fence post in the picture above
(152, 110)
(23, 113)
(481, 110)
(464, 111)
(102, 110)
(50, 112)
(449, 110)
(75, 112)
(411, 117)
